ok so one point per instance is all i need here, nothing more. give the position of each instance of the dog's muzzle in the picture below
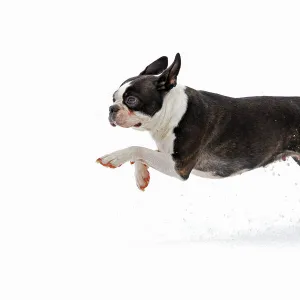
(123, 117)
(113, 110)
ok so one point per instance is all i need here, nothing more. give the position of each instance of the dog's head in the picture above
(139, 98)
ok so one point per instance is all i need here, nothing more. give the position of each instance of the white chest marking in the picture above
(166, 145)
(162, 125)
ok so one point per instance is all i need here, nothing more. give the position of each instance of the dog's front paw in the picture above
(115, 159)
(108, 164)
(142, 175)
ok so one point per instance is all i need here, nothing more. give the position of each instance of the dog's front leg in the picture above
(142, 175)
(159, 161)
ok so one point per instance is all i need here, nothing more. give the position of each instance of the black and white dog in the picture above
(196, 131)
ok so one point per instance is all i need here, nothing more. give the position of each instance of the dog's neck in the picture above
(167, 118)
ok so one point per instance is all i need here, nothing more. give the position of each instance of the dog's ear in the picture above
(168, 79)
(156, 67)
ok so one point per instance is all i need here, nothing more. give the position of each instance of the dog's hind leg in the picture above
(297, 160)
(294, 155)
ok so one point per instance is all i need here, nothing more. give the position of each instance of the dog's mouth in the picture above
(114, 124)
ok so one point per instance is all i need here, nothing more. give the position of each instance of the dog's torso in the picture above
(222, 136)
(218, 136)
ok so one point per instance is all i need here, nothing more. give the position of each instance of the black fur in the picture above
(144, 88)
(156, 67)
(168, 79)
(225, 135)
(149, 89)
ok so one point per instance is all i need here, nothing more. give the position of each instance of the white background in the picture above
(71, 229)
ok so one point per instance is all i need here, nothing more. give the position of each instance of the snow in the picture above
(72, 229)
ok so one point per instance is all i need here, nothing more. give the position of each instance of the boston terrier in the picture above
(200, 132)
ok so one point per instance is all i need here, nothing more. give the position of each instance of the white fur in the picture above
(210, 175)
(120, 92)
(161, 127)
(159, 161)
(205, 174)
(124, 117)
(141, 174)
(162, 124)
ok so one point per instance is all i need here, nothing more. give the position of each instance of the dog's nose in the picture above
(114, 109)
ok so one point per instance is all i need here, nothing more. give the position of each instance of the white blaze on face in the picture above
(120, 92)
(125, 117)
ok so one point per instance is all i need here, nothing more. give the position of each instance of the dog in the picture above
(200, 132)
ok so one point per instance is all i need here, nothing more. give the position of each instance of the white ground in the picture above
(71, 229)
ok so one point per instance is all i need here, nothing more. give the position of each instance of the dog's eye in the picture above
(131, 101)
